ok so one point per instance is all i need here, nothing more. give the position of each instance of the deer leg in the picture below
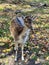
(16, 49)
(22, 52)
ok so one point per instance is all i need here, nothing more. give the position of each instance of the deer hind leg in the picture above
(16, 49)
(22, 52)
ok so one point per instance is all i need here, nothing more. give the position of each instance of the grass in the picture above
(34, 57)
(5, 33)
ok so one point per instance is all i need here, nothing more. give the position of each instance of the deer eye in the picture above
(29, 21)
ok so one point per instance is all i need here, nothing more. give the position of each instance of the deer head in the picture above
(29, 21)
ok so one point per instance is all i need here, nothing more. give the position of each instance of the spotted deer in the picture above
(20, 29)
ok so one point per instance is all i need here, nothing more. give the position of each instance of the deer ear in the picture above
(33, 18)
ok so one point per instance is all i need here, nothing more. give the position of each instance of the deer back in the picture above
(15, 29)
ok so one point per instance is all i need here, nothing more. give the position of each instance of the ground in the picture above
(38, 45)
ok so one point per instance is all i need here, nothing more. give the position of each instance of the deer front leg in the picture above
(16, 49)
(22, 53)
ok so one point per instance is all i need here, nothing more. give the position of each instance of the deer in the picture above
(20, 28)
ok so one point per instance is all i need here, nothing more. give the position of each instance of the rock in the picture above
(7, 10)
(31, 62)
(39, 64)
(17, 11)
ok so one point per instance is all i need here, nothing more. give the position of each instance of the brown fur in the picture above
(18, 33)
(17, 30)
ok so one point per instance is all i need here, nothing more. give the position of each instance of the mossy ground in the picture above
(41, 26)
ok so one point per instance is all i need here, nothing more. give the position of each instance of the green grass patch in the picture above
(1, 9)
(34, 57)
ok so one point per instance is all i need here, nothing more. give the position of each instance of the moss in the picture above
(34, 57)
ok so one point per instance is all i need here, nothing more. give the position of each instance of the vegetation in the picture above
(39, 47)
